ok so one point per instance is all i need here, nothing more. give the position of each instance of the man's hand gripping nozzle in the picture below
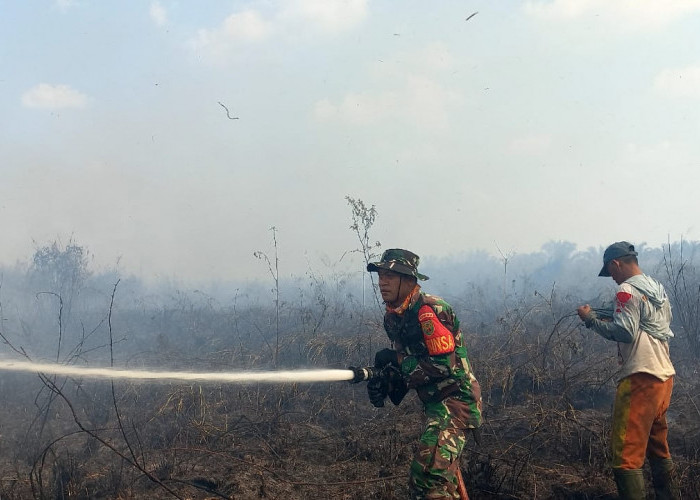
(381, 382)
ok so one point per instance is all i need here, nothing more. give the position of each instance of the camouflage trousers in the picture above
(435, 464)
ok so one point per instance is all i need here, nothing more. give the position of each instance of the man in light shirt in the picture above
(640, 325)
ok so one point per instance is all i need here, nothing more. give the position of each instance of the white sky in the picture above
(529, 122)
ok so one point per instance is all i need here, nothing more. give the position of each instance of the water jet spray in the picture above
(272, 377)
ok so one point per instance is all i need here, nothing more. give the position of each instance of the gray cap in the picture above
(616, 251)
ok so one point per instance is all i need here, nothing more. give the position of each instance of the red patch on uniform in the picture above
(425, 315)
(622, 299)
(438, 339)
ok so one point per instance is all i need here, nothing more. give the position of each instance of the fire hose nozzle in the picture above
(363, 374)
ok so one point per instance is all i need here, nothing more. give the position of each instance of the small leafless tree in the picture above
(684, 289)
(275, 273)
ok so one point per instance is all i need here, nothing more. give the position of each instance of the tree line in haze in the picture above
(56, 298)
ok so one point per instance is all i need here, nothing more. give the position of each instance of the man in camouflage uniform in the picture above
(430, 356)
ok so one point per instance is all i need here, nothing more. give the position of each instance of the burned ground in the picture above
(547, 416)
(547, 385)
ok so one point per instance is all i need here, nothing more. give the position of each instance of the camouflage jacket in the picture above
(433, 355)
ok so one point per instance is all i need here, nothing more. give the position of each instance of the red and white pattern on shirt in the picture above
(622, 299)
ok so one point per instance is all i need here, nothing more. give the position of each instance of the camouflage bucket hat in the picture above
(399, 261)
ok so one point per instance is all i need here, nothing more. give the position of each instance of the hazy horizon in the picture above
(168, 137)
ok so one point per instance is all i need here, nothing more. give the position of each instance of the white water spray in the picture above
(273, 377)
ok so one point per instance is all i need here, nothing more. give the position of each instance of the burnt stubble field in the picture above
(547, 384)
